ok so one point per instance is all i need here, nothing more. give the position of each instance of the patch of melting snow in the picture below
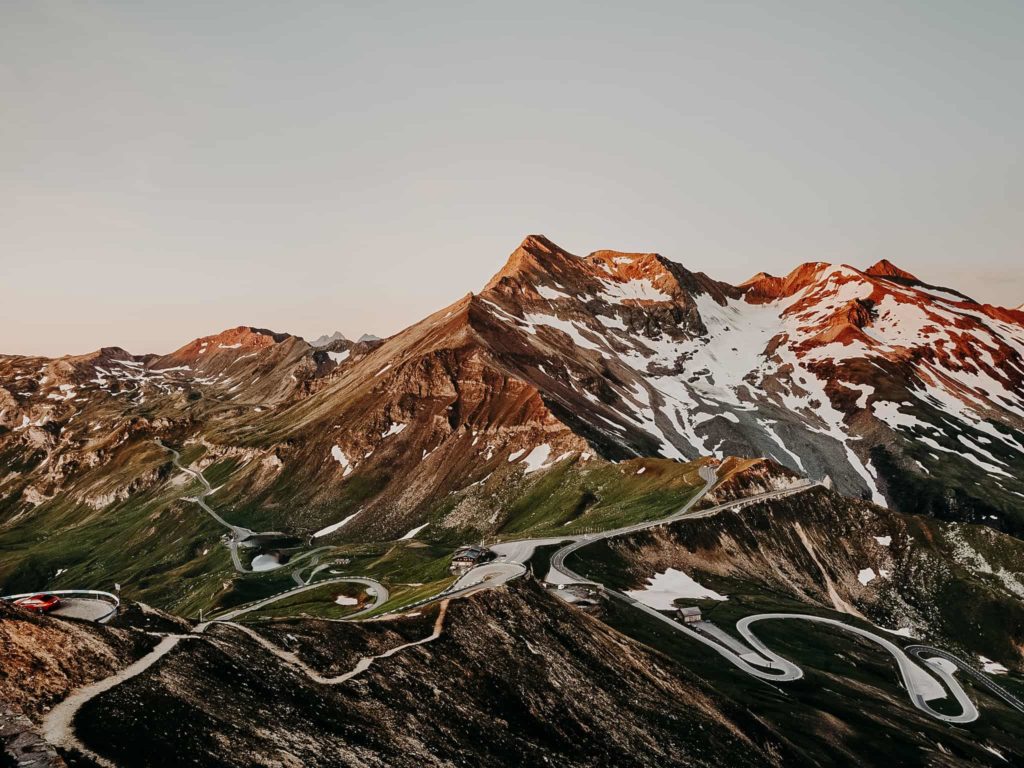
(992, 667)
(902, 631)
(640, 289)
(664, 588)
(551, 293)
(335, 526)
(394, 429)
(413, 532)
(341, 458)
(535, 459)
(883, 541)
(265, 563)
(866, 576)
(996, 752)
(346, 600)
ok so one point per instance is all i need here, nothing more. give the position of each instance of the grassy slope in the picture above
(169, 553)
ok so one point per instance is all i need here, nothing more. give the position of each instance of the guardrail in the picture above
(91, 592)
(920, 651)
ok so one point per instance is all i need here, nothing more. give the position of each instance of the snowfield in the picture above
(664, 588)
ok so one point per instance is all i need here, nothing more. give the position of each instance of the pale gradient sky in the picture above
(171, 169)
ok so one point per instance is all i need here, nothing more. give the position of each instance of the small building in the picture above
(689, 614)
(469, 557)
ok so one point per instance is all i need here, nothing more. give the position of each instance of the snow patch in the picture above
(866, 576)
(992, 667)
(664, 588)
(535, 459)
(334, 526)
(341, 458)
(413, 532)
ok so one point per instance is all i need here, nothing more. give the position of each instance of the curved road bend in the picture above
(758, 660)
(921, 686)
(925, 653)
(238, 533)
(380, 596)
(57, 726)
(87, 604)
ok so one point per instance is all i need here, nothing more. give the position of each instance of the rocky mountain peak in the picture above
(886, 268)
(764, 287)
(535, 258)
(324, 340)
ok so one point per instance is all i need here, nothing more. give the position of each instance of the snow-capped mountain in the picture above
(864, 375)
(901, 392)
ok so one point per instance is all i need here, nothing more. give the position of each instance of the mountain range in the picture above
(899, 391)
(570, 396)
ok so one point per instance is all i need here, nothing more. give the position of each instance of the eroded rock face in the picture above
(44, 659)
(21, 743)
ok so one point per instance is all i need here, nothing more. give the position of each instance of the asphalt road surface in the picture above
(926, 653)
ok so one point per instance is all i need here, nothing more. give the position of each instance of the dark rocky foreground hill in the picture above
(515, 678)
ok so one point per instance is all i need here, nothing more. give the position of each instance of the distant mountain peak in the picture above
(367, 337)
(886, 268)
(323, 341)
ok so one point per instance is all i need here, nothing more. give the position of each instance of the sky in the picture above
(169, 170)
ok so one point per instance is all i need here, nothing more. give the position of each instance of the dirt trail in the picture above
(57, 723)
(292, 660)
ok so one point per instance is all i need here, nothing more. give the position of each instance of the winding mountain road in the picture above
(380, 596)
(240, 534)
(755, 658)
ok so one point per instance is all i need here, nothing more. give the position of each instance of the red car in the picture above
(41, 603)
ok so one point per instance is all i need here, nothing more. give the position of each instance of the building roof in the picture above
(470, 552)
(690, 610)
